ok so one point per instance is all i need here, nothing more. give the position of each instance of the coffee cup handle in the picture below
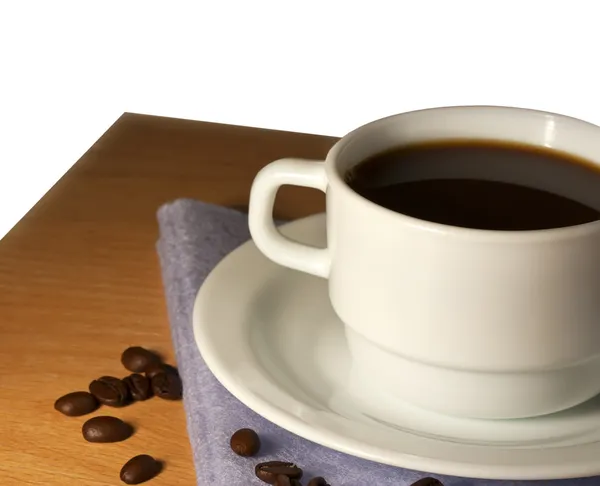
(266, 236)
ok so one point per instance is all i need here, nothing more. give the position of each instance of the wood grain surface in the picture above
(80, 281)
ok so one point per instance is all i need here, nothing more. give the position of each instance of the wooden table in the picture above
(80, 281)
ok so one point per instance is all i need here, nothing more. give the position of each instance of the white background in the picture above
(69, 69)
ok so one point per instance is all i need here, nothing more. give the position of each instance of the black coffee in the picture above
(482, 184)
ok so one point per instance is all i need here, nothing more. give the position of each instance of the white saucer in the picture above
(272, 339)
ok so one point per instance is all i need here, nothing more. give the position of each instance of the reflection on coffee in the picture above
(479, 184)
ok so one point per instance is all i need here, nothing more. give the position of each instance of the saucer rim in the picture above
(337, 441)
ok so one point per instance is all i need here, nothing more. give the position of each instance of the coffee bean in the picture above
(76, 403)
(139, 469)
(318, 481)
(106, 429)
(157, 368)
(138, 359)
(286, 481)
(139, 386)
(268, 471)
(110, 391)
(427, 482)
(245, 442)
(167, 385)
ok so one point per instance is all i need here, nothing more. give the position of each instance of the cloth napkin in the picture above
(194, 237)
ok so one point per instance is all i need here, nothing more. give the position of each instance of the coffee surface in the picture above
(481, 184)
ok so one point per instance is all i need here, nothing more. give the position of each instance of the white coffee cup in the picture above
(467, 322)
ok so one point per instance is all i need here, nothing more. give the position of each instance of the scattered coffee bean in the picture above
(138, 359)
(167, 385)
(245, 442)
(76, 403)
(106, 429)
(427, 482)
(139, 386)
(286, 481)
(110, 391)
(268, 471)
(318, 481)
(157, 368)
(140, 469)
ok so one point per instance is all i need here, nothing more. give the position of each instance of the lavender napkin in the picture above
(194, 236)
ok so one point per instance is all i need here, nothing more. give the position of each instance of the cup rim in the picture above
(542, 235)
